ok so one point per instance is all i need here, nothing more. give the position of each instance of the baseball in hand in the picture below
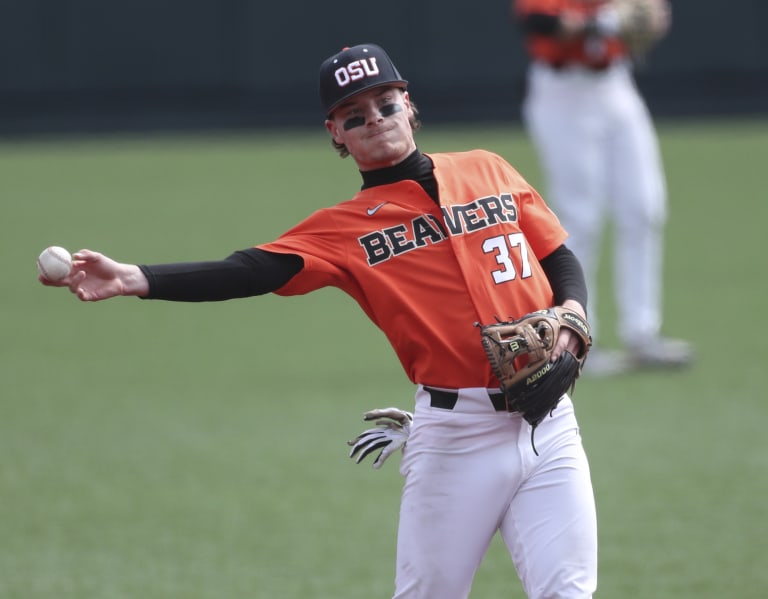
(54, 263)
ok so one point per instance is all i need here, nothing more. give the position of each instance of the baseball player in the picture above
(600, 157)
(429, 246)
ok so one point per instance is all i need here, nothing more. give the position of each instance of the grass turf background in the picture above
(161, 450)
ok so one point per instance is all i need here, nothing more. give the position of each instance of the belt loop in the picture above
(499, 401)
(445, 400)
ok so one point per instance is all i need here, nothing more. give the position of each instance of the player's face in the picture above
(375, 127)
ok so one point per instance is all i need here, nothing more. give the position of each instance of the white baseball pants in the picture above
(471, 472)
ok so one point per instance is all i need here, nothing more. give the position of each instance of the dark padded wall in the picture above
(85, 65)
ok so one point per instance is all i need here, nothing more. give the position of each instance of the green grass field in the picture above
(156, 450)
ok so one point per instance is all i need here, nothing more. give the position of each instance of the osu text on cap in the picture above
(356, 70)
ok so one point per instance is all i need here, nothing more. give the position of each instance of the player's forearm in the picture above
(566, 277)
(243, 274)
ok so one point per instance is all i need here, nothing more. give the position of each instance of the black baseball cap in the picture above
(354, 70)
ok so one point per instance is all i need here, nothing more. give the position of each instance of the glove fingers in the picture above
(371, 432)
(400, 416)
(393, 428)
(371, 447)
(366, 437)
(385, 453)
(390, 425)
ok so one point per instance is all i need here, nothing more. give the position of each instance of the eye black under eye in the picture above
(355, 121)
(384, 111)
(390, 109)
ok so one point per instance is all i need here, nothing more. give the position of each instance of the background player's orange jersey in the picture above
(424, 273)
(580, 50)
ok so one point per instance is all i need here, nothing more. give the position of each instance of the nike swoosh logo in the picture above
(375, 209)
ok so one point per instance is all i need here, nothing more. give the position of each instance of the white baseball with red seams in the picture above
(54, 263)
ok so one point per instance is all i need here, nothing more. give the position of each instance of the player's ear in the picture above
(331, 127)
(407, 103)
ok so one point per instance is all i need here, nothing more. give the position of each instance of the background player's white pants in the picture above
(600, 157)
(470, 472)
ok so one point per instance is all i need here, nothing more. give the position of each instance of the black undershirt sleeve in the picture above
(253, 271)
(540, 24)
(245, 273)
(565, 276)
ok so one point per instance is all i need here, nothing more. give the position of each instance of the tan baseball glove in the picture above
(641, 23)
(520, 354)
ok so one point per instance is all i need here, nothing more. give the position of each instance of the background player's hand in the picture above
(571, 24)
(567, 339)
(394, 427)
(96, 277)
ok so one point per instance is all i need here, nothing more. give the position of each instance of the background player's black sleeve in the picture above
(243, 274)
(540, 24)
(565, 276)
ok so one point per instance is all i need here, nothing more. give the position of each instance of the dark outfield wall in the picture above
(87, 65)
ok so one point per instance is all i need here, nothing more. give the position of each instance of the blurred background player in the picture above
(600, 157)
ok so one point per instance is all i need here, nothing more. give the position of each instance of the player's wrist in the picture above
(135, 283)
(575, 306)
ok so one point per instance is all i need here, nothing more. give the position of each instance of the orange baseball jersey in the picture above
(425, 274)
(580, 50)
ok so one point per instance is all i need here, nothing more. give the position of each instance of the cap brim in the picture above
(401, 83)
